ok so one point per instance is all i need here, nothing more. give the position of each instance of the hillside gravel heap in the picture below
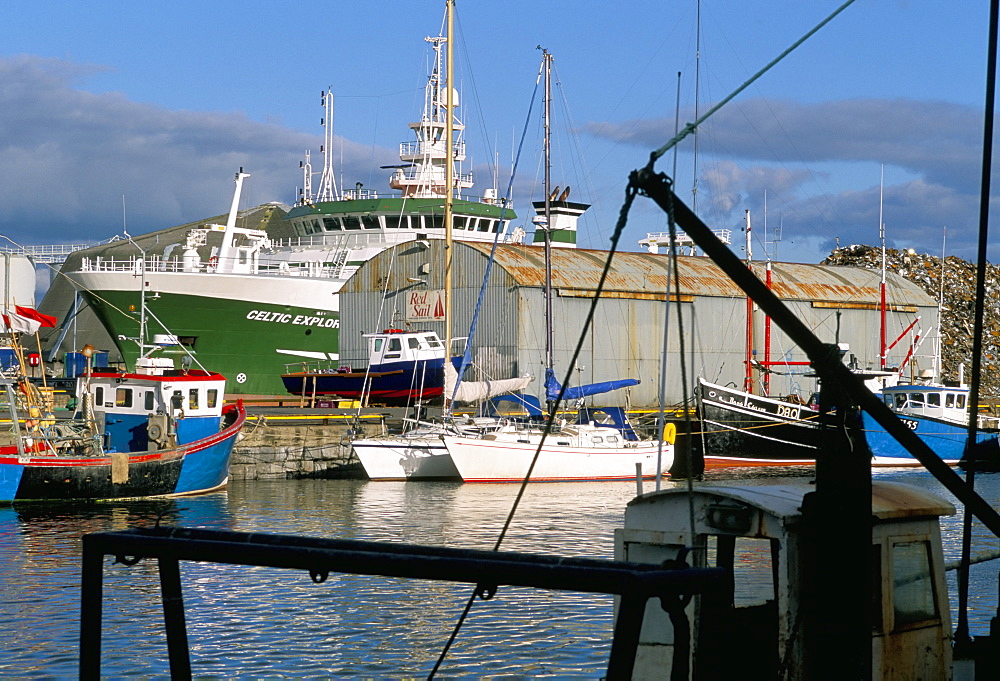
(958, 306)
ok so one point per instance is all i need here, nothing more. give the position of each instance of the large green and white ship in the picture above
(248, 306)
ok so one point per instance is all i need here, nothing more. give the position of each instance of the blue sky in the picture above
(162, 102)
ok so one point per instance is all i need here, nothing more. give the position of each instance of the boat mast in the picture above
(327, 183)
(881, 286)
(449, 178)
(748, 380)
(547, 69)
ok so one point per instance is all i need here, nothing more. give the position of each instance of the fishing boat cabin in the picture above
(758, 534)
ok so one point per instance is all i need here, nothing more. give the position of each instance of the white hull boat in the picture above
(576, 453)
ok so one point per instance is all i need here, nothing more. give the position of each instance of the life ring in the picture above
(213, 261)
(669, 433)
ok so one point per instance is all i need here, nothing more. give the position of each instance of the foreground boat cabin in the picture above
(758, 533)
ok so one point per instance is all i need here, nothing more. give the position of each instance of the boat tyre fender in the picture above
(669, 433)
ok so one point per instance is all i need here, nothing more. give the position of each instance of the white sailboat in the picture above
(582, 451)
(419, 453)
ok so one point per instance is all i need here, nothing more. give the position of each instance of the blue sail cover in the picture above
(552, 387)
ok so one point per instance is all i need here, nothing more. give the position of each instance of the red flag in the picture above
(43, 319)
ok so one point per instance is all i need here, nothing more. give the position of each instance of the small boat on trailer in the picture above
(403, 367)
(159, 431)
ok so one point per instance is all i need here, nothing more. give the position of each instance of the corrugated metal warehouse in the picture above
(401, 288)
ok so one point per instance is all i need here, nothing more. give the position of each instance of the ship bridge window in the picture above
(485, 225)
(960, 401)
(370, 222)
(913, 599)
(331, 224)
(500, 225)
(916, 399)
(434, 221)
(212, 398)
(193, 398)
(933, 399)
(123, 397)
(459, 222)
(397, 222)
(413, 343)
(352, 222)
(900, 400)
(149, 404)
(949, 400)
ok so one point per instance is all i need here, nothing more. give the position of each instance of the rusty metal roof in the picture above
(641, 272)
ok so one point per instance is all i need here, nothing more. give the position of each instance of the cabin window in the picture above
(433, 341)
(123, 397)
(397, 222)
(395, 345)
(933, 399)
(900, 400)
(99, 395)
(598, 440)
(916, 399)
(912, 584)
(434, 221)
(413, 343)
(370, 222)
(949, 400)
(352, 222)
(177, 400)
(500, 225)
(416, 222)
(148, 406)
(485, 225)
(378, 344)
(471, 225)
(193, 398)
(212, 398)
(960, 401)
(331, 224)
(613, 440)
(459, 222)
(752, 562)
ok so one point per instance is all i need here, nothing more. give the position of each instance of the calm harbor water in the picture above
(252, 622)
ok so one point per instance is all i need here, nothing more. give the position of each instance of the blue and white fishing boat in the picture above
(938, 414)
(154, 431)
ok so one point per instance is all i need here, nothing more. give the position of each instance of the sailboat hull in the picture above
(402, 458)
(479, 460)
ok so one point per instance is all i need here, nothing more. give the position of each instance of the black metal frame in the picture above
(634, 583)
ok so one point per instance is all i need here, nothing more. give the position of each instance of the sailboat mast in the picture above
(547, 62)
(881, 286)
(748, 379)
(449, 175)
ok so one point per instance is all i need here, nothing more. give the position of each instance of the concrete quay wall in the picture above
(286, 444)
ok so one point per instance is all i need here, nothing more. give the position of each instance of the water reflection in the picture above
(259, 621)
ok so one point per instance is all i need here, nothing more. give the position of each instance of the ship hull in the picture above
(277, 321)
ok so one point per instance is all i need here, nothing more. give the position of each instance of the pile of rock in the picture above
(957, 309)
